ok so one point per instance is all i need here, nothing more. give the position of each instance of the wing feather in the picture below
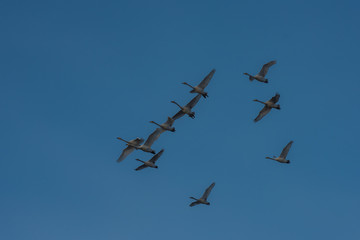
(178, 115)
(156, 156)
(153, 137)
(193, 101)
(141, 167)
(275, 98)
(286, 149)
(265, 68)
(262, 113)
(170, 121)
(207, 191)
(207, 79)
(125, 153)
(194, 203)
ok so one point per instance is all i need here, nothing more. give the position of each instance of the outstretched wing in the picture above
(153, 137)
(207, 79)
(125, 153)
(194, 203)
(207, 191)
(137, 141)
(141, 167)
(275, 98)
(265, 68)
(156, 156)
(262, 113)
(286, 149)
(178, 115)
(193, 101)
(169, 121)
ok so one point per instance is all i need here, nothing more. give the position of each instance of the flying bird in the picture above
(131, 146)
(268, 106)
(261, 75)
(283, 155)
(151, 162)
(200, 88)
(166, 126)
(187, 109)
(203, 199)
(146, 147)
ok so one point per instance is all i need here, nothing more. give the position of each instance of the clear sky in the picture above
(74, 75)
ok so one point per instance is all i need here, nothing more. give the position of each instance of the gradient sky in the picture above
(74, 75)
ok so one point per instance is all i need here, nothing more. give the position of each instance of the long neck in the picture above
(122, 140)
(270, 158)
(258, 101)
(140, 160)
(177, 104)
(188, 84)
(194, 198)
(155, 123)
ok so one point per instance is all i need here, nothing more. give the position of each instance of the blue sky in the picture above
(74, 75)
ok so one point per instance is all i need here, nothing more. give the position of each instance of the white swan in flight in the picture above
(151, 162)
(131, 146)
(203, 199)
(283, 155)
(166, 126)
(201, 87)
(268, 106)
(187, 108)
(261, 75)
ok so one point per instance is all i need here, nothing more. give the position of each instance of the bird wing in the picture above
(286, 149)
(265, 68)
(125, 153)
(178, 115)
(169, 121)
(138, 141)
(262, 113)
(275, 98)
(206, 80)
(194, 203)
(141, 167)
(193, 101)
(207, 191)
(153, 137)
(156, 156)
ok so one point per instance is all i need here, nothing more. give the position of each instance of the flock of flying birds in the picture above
(136, 144)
